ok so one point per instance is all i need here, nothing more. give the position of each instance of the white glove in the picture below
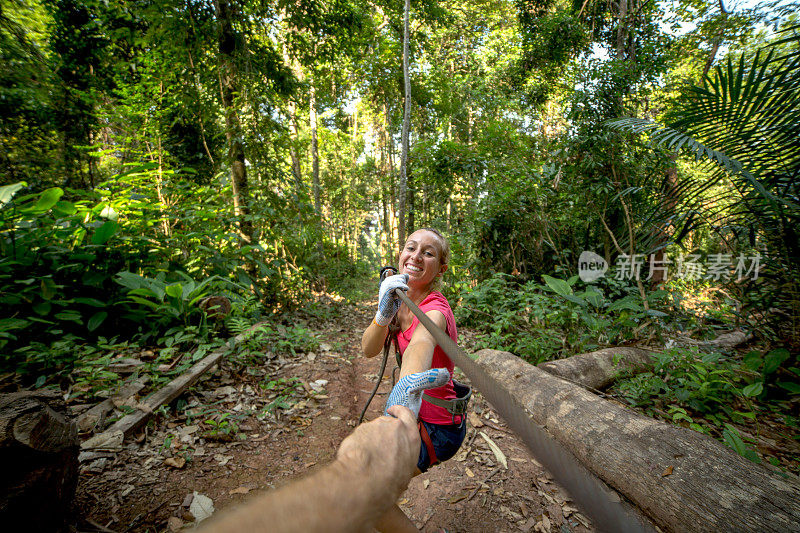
(408, 391)
(388, 302)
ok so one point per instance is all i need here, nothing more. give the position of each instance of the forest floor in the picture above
(164, 478)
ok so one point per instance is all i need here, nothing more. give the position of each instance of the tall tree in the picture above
(403, 192)
(229, 90)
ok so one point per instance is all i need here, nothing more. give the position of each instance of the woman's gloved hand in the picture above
(388, 302)
(408, 391)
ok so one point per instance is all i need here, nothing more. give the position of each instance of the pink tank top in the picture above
(429, 412)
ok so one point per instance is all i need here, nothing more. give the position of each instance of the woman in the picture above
(422, 262)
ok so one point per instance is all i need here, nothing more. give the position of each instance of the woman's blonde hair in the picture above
(444, 256)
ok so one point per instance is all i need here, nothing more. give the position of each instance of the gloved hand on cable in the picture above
(388, 302)
(408, 391)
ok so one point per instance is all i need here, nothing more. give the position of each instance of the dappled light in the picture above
(197, 198)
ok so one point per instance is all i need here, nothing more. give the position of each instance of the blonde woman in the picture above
(422, 262)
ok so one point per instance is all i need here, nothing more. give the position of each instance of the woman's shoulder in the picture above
(435, 300)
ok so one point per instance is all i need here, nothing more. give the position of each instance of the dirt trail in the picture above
(150, 485)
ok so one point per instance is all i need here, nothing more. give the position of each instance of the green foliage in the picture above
(222, 427)
(744, 119)
(167, 302)
(766, 368)
(705, 383)
(55, 264)
(544, 322)
(280, 392)
(706, 392)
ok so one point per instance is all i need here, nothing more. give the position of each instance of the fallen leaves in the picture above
(110, 440)
(222, 459)
(201, 507)
(474, 420)
(175, 462)
(667, 471)
(456, 499)
(498, 453)
(174, 523)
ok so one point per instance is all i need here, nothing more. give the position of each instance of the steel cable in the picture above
(586, 490)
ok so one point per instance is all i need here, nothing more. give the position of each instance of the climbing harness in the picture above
(458, 405)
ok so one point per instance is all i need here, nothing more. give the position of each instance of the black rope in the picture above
(386, 344)
(394, 329)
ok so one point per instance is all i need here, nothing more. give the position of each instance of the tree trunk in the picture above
(228, 90)
(622, 28)
(599, 369)
(197, 92)
(406, 127)
(294, 134)
(39, 456)
(657, 270)
(386, 242)
(683, 480)
(393, 225)
(314, 148)
(717, 41)
(410, 199)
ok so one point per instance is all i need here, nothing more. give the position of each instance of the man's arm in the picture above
(372, 468)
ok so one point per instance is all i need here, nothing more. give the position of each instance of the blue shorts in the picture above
(446, 440)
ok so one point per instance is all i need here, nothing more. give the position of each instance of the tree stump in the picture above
(39, 461)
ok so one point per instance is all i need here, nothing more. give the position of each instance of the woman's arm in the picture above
(388, 305)
(372, 339)
(419, 353)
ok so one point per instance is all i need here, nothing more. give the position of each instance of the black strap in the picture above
(393, 329)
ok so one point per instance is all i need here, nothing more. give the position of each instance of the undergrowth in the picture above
(723, 396)
(541, 322)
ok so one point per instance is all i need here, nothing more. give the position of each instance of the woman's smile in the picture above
(421, 259)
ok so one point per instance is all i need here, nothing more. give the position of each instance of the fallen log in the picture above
(681, 479)
(725, 341)
(112, 438)
(38, 460)
(599, 369)
(130, 422)
(95, 416)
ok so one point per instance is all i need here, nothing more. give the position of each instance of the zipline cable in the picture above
(585, 489)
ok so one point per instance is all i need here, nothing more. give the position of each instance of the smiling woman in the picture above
(422, 262)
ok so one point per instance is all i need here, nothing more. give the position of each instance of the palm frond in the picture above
(742, 125)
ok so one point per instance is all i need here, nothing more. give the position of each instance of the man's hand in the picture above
(388, 302)
(372, 468)
(408, 391)
(385, 449)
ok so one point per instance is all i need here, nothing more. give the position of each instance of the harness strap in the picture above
(456, 407)
(426, 439)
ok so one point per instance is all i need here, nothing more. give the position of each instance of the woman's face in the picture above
(421, 258)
